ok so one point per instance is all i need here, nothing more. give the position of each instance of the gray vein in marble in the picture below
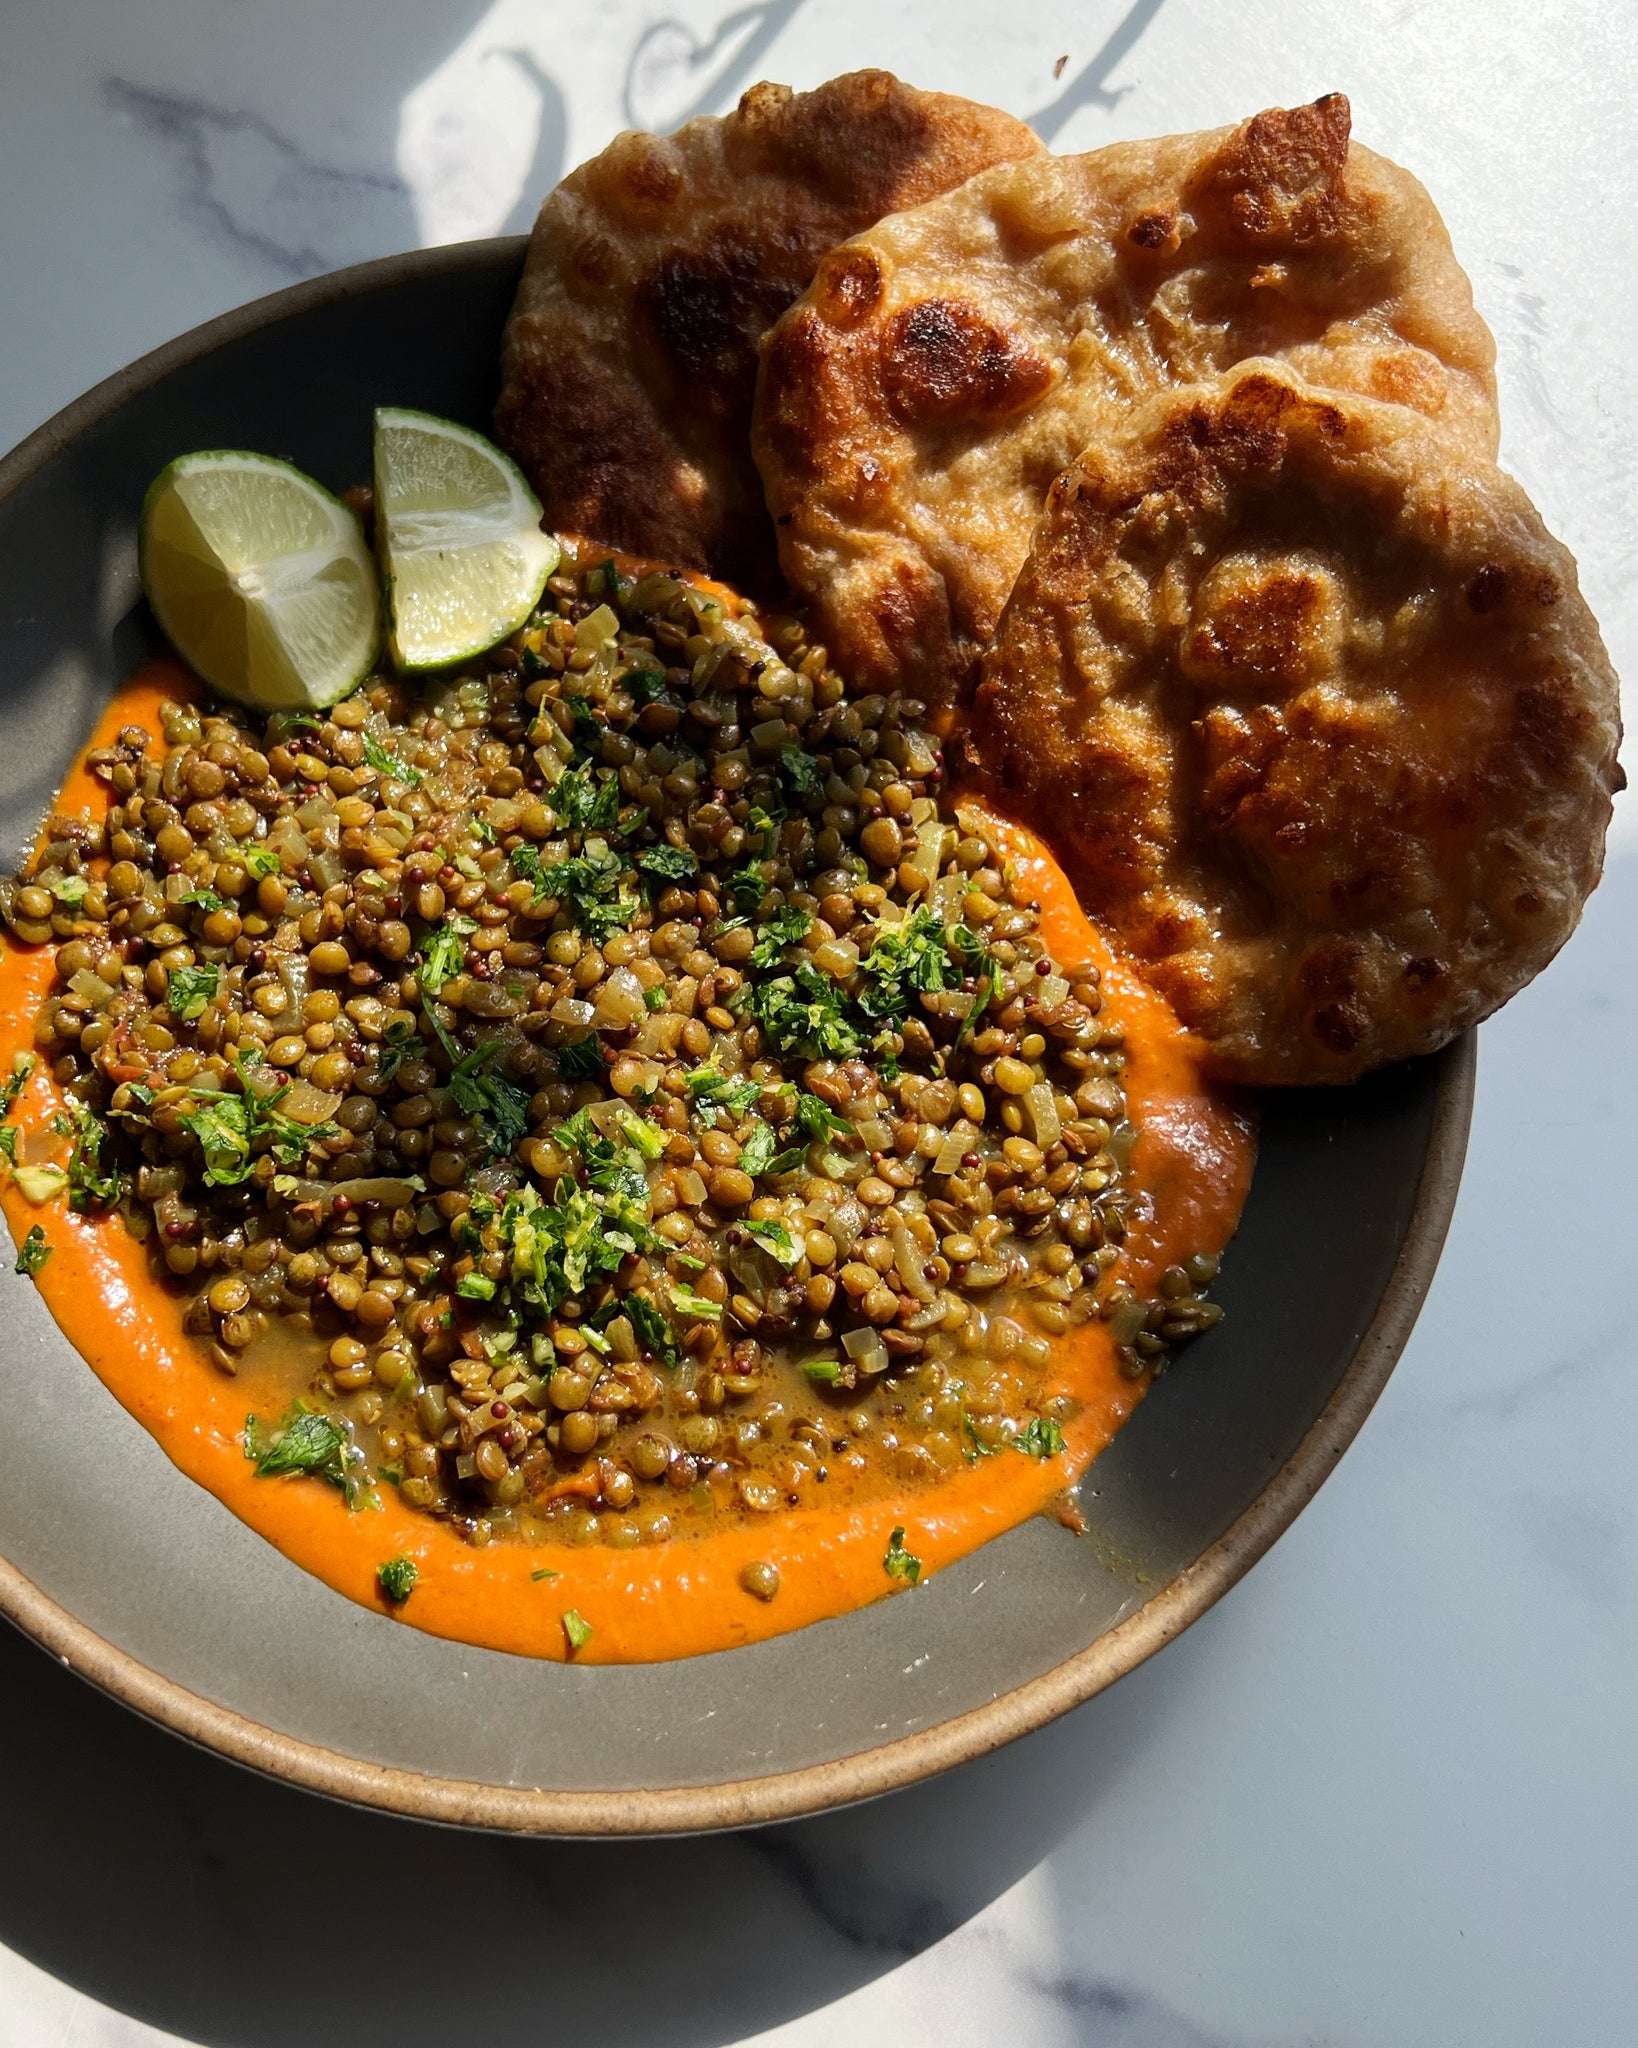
(256, 189)
(551, 139)
(1089, 87)
(668, 52)
(1109, 2014)
(881, 1919)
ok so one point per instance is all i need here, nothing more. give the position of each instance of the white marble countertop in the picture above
(1387, 1793)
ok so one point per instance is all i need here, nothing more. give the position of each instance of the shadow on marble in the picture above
(200, 1897)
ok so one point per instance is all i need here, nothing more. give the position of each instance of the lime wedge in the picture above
(261, 580)
(458, 531)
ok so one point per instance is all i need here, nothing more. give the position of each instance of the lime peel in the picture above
(463, 557)
(260, 578)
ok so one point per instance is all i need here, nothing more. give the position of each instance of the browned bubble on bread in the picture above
(1310, 705)
(946, 364)
(653, 272)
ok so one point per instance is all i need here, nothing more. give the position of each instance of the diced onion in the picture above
(571, 1010)
(865, 1347)
(598, 629)
(1053, 991)
(619, 1000)
(1041, 1109)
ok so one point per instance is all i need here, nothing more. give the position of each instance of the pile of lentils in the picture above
(610, 1080)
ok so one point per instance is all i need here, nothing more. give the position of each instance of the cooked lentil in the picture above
(611, 1077)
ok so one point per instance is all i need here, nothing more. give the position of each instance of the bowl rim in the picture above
(781, 1795)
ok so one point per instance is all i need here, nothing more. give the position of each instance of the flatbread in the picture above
(918, 400)
(630, 358)
(1311, 708)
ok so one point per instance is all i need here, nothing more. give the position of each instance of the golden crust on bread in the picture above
(944, 366)
(630, 357)
(1311, 708)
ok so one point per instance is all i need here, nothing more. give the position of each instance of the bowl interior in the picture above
(145, 1582)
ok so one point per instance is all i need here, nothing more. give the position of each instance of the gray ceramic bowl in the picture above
(149, 1588)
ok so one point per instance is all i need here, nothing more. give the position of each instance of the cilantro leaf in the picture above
(785, 928)
(206, 900)
(757, 1153)
(643, 685)
(899, 1563)
(904, 961)
(93, 1182)
(669, 863)
(581, 1059)
(584, 804)
(801, 774)
(747, 885)
(1041, 1439)
(388, 764)
(777, 1239)
(801, 1015)
(818, 1119)
(711, 1086)
(33, 1252)
(652, 1330)
(307, 1442)
(500, 1106)
(397, 1578)
(260, 861)
(190, 991)
(394, 1048)
(22, 1065)
(443, 951)
(222, 1127)
(586, 728)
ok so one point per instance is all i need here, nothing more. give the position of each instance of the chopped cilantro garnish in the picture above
(581, 1059)
(308, 1442)
(784, 929)
(775, 1238)
(443, 949)
(397, 1578)
(388, 764)
(500, 1106)
(643, 685)
(908, 959)
(801, 775)
(205, 899)
(708, 1084)
(9, 1135)
(818, 1119)
(260, 861)
(190, 991)
(586, 728)
(394, 1048)
(577, 1629)
(756, 1155)
(747, 885)
(93, 1182)
(763, 822)
(22, 1065)
(669, 863)
(33, 1252)
(545, 1572)
(695, 1305)
(899, 1563)
(584, 804)
(652, 1330)
(802, 1015)
(1041, 1439)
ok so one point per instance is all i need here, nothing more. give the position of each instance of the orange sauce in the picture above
(680, 1598)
